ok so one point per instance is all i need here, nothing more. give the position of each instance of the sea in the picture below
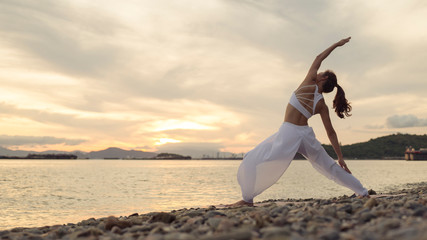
(36, 193)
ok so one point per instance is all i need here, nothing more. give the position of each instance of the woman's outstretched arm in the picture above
(319, 59)
(332, 135)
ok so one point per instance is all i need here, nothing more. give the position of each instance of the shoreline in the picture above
(400, 214)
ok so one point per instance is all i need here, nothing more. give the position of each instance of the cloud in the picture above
(374, 126)
(60, 35)
(404, 121)
(92, 123)
(118, 71)
(6, 140)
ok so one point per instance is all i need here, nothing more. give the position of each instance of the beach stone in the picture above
(387, 224)
(153, 237)
(88, 222)
(91, 232)
(34, 231)
(239, 234)
(246, 209)
(282, 210)
(280, 221)
(420, 211)
(405, 233)
(163, 217)
(214, 222)
(299, 226)
(179, 236)
(372, 192)
(116, 230)
(372, 202)
(366, 217)
(330, 211)
(225, 225)
(272, 233)
(412, 204)
(137, 220)
(18, 229)
(195, 221)
(195, 213)
(330, 235)
(110, 222)
(211, 214)
(348, 208)
(161, 230)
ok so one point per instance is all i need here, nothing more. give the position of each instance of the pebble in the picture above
(399, 215)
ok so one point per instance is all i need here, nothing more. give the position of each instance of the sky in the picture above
(200, 77)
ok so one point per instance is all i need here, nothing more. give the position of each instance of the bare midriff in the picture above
(292, 115)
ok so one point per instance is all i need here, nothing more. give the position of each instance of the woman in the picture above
(265, 164)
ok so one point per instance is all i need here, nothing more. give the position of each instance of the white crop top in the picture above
(296, 101)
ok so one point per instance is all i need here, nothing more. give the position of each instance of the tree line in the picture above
(391, 146)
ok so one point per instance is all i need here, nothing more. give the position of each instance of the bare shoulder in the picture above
(321, 107)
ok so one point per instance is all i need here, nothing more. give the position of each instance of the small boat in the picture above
(413, 155)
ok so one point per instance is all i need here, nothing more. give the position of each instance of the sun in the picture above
(162, 141)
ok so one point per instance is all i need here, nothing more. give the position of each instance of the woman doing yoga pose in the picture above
(265, 164)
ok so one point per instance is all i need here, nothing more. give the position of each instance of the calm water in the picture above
(48, 192)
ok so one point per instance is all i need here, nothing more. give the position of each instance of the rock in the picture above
(195, 213)
(330, 211)
(179, 236)
(387, 224)
(240, 234)
(330, 235)
(372, 192)
(412, 205)
(372, 202)
(154, 237)
(348, 208)
(366, 217)
(88, 222)
(110, 222)
(116, 230)
(214, 222)
(213, 214)
(420, 211)
(91, 232)
(134, 215)
(225, 225)
(270, 233)
(163, 217)
(280, 221)
(405, 233)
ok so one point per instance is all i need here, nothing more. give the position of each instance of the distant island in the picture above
(387, 147)
(42, 156)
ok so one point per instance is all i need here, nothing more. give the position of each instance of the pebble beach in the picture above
(400, 214)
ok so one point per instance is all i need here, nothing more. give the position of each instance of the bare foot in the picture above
(240, 204)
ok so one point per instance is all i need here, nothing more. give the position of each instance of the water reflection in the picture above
(47, 192)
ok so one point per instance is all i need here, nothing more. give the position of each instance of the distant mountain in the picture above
(107, 153)
(15, 153)
(390, 146)
(113, 152)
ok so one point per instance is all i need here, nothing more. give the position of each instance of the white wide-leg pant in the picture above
(265, 164)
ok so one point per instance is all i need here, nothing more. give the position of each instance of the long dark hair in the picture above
(340, 103)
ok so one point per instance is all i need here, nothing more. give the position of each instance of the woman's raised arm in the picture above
(318, 60)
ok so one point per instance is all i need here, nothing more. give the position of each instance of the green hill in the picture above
(391, 146)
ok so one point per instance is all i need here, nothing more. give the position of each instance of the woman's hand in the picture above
(343, 165)
(343, 41)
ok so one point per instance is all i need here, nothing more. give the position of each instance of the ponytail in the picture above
(340, 103)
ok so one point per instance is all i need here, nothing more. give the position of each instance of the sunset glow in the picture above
(191, 76)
